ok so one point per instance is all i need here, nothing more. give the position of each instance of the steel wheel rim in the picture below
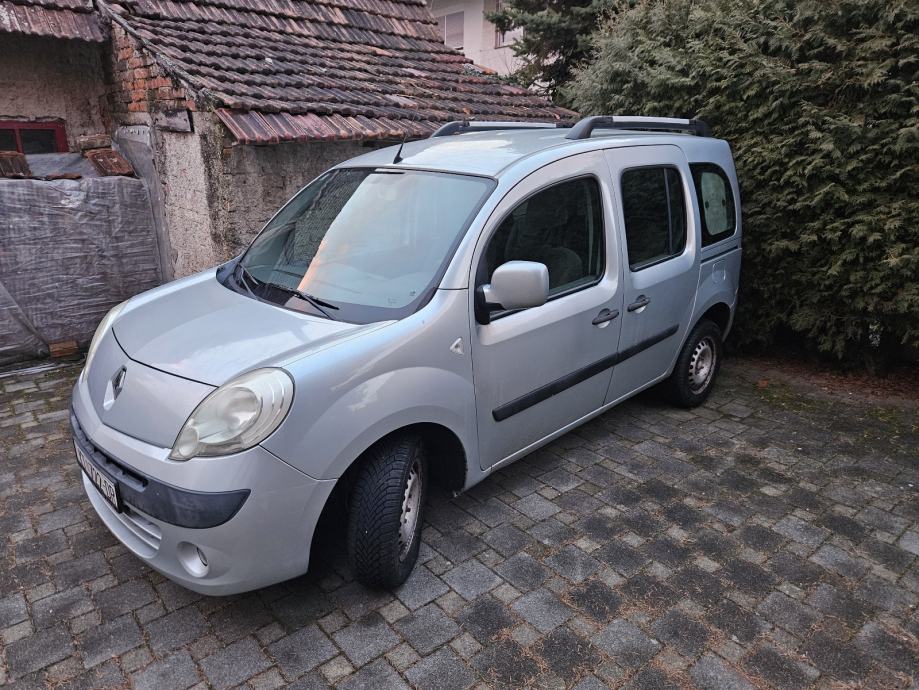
(702, 364)
(411, 509)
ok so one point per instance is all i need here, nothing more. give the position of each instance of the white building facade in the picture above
(464, 27)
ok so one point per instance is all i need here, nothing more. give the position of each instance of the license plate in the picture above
(106, 486)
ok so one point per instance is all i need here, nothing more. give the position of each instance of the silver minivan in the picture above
(423, 313)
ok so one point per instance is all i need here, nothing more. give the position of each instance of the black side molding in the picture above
(545, 392)
(728, 250)
(180, 507)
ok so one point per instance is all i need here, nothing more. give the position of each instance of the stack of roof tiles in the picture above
(55, 18)
(306, 70)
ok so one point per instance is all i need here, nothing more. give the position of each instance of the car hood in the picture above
(200, 330)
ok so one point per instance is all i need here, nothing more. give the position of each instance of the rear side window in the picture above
(561, 227)
(655, 215)
(716, 201)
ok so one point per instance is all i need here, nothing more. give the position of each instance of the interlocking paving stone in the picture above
(741, 625)
(702, 586)
(176, 629)
(505, 665)
(442, 670)
(566, 654)
(839, 604)
(470, 579)
(626, 644)
(427, 628)
(507, 540)
(13, 610)
(375, 676)
(787, 613)
(536, 507)
(109, 640)
(621, 557)
(234, 664)
(667, 551)
(836, 659)
(421, 587)
(748, 577)
(486, 618)
(366, 639)
(680, 631)
(790, 568)
(39, 650)
(176, 671)
(61, 607)
(645, 591)
(573, 564)
(763, 538)
(650, 678)
(523, 571)
(302, 651)
(120, 599)
(710, 673)
(899, 652)
(780, 670)
(542, 609)
(596, 599)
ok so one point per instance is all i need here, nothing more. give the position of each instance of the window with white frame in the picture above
(451, 28)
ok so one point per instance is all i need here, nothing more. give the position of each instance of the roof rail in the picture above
(461, 126)
(585, 126)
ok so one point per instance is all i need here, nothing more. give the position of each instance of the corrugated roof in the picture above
(76, 19)
(299, 70)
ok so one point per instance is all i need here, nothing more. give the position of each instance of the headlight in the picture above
(101, 329)
(236, 416)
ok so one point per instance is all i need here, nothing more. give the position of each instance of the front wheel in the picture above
(697, 366)
(385, 512)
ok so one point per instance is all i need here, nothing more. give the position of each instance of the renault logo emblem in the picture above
(118, 382)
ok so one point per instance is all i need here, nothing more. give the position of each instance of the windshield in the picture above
(363, 244)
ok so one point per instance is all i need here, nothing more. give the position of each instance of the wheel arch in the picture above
(448, 472)
(720, 314)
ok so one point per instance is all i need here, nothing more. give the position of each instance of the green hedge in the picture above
(819, 101)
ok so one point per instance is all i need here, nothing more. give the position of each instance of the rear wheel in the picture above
(697, 366)
(385, 512)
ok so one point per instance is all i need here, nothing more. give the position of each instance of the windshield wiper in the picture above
(242, 277)
(317, 303)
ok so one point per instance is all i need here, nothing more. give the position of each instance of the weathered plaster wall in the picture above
(252, 182)
(48, 79)
(159, 130)
(186, 167)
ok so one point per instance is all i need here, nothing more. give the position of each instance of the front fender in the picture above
(370, 410)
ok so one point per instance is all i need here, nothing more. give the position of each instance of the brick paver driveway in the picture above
(767, 539)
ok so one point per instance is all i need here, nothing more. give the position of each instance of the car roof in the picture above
(489, 153)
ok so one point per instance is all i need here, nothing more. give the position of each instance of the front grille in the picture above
(103, 459)
(139, 534)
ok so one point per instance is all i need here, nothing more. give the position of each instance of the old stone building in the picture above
(226, 107)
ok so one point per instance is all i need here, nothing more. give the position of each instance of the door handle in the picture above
(605, 316)
(640, 303)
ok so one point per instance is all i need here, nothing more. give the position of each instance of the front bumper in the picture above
(253, 524)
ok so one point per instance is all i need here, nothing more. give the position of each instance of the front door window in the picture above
(561, 227)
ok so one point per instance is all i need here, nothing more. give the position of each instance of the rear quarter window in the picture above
(716, 202)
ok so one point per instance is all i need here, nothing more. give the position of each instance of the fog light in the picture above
(192, 559)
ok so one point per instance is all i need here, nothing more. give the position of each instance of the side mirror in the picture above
(514, 285)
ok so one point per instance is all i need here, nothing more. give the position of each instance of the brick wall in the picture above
(139, 85)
